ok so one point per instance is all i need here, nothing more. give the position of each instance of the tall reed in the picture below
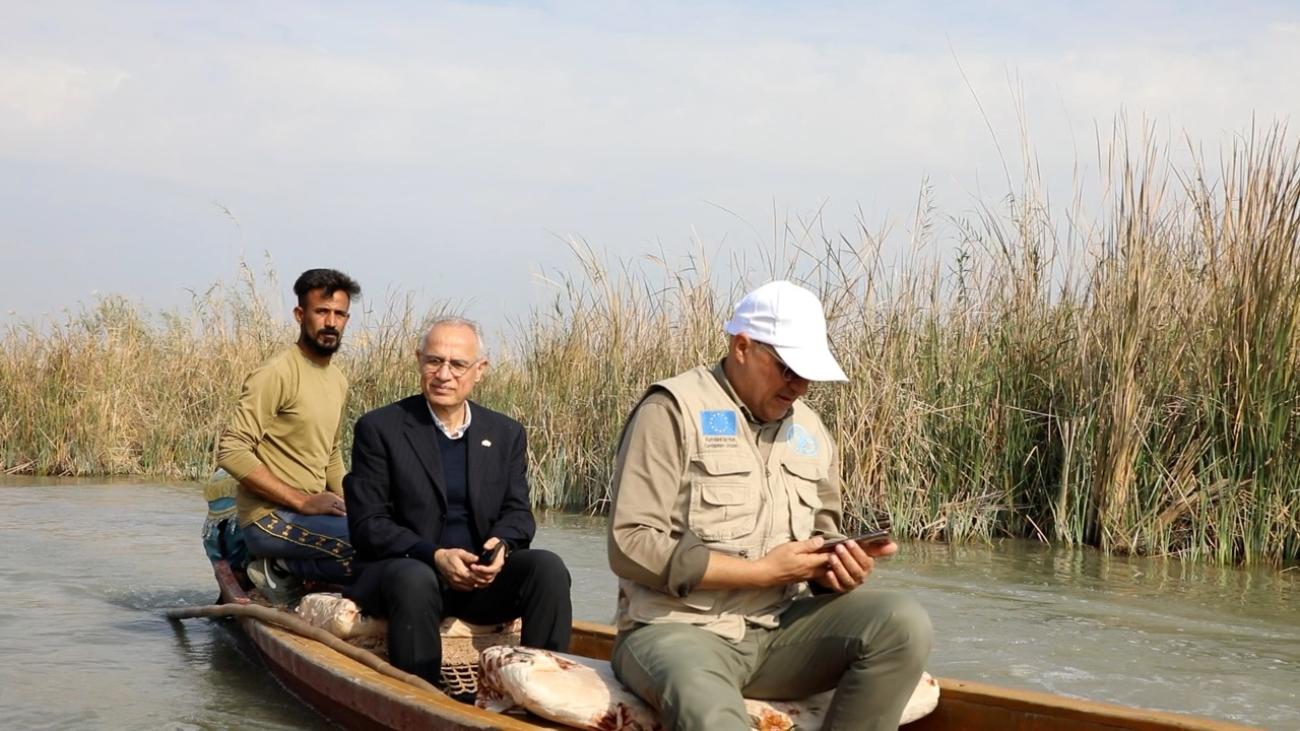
(1122, 377)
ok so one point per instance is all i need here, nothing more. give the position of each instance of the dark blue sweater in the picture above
(457, 533)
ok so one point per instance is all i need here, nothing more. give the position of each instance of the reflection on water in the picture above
(85, 568)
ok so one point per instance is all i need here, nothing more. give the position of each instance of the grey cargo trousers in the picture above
(869, 645)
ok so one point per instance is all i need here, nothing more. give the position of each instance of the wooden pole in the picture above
(293, 624)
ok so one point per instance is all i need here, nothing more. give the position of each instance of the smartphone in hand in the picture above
(866, 539)
(488, 556)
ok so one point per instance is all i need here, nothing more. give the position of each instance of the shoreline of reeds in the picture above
(1130, 384)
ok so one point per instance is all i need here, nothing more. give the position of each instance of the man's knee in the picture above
(683, 672)
(902, 622)
(910, 620)
(544, 562)
(408, 582)
(544, 566)
(657, 649)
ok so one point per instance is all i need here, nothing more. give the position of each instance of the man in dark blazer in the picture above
(438, 511)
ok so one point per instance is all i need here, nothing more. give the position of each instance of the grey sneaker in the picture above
(278, 586)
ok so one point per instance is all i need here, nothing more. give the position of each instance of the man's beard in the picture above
(317, 346)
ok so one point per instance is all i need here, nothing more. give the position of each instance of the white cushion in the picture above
(340, 617)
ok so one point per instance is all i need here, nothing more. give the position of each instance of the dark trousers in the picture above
(533, 584)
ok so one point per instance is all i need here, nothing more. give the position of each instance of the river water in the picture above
(86, 568)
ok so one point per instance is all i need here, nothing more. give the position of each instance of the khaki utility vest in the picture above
(739, 504)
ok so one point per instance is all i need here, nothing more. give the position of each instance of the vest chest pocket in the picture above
(725, 498)
(804, 477)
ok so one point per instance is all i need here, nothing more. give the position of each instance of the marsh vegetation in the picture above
(1123, 377)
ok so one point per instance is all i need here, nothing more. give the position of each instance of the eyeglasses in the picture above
(455, 366)
(787, 372)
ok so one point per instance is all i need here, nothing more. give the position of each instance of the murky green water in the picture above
(85, 569)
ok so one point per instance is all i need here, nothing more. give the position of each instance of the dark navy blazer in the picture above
(397, 504)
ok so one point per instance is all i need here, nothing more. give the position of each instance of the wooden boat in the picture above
(357, 697)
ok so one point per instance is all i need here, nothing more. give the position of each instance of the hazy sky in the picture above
(449, 149)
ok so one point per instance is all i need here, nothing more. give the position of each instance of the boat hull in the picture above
(358, 697)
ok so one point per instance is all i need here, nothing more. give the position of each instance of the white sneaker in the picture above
(276, 585)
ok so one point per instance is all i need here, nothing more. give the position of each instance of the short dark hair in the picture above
(330, 280)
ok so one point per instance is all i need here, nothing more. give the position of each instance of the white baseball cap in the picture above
(790, 319)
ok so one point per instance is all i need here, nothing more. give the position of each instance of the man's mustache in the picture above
(327, 331)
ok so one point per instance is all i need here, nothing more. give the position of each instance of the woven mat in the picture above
(460, 652)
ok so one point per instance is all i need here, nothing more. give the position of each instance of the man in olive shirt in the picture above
(726, 485)
(282, 446)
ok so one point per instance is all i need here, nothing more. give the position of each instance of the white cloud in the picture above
(545, 95)
(612, 119)
(36, 93)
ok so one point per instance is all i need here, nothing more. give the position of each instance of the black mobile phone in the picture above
(487, 557)
(879, 535)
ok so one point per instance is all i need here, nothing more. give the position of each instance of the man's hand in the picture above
(324, 503)
(851, 564)
(462, 570)
(486, 574)
(793, 562)
(454, 565)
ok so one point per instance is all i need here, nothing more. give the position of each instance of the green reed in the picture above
(1122, 377)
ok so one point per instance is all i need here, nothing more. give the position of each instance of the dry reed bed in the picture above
(1128, 384)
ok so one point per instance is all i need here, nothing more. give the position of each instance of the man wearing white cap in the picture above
(726, 485)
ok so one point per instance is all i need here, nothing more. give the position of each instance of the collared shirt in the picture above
(464, 426)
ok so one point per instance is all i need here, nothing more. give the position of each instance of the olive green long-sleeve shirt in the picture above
(289, 417)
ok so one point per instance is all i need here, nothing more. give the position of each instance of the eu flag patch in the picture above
(718, 423)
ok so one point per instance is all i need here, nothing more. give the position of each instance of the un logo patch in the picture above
(801, 440)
